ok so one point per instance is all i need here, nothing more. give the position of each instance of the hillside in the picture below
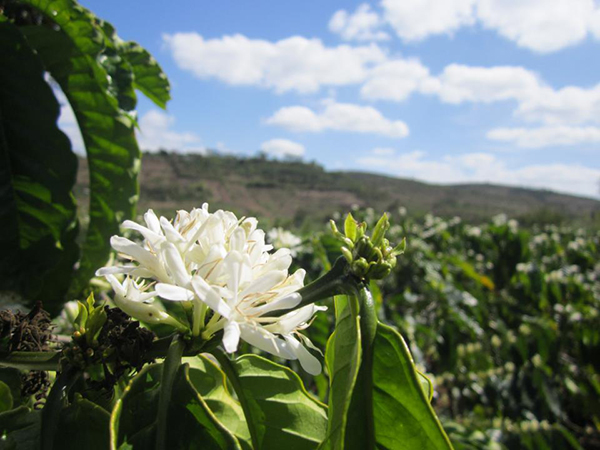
(289, 191)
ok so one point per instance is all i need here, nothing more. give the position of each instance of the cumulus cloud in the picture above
(282, 148)
(569, 105)
(339, 117)
(292, 64)
(538, 25)
(362, 25)
(156, 133)
(397, 79)
(485, 167)
(459, 83)
(546, 136)
(417, 19)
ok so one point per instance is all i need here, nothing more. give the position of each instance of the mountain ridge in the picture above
(293, 191)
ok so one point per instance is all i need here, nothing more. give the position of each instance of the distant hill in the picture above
(290, 191)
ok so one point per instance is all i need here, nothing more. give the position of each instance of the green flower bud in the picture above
(360, 267)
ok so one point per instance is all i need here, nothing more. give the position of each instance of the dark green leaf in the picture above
(404, 419)
(343, 356)
(211, 383)
(279, 411)
(37, 173)
(20, 428)
(72, 57)
(191, 424)
(148, 76)
(82, 425)
(6, 399)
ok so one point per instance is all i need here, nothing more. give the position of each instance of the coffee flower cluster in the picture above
(220, 267)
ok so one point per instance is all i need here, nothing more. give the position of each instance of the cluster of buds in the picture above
(108, 341)
(368, 257)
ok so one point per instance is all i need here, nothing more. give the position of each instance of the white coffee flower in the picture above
(281, 238)
(214, 260)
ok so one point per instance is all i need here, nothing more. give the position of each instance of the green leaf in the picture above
(404, 419)
(380, 228)
(279, 411)
(82, 424)
(6, 399)
(350, 228)
(148, 76)
(190, 422)
(20, 429)
(343, 356)
(72, 56)
(37, 173)
(12, 378)
(211, 383)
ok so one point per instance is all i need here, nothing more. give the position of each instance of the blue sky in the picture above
(445, 91)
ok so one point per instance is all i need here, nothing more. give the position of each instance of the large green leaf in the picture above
(20, 429)
(148, 76)
(279, 411)
(82, 424)
(81, 57)
(402, 415)
(343, 357)
(211, 383)
(191, 423)
(404, 419)
(37, 173)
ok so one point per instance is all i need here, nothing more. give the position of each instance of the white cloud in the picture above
(283, 148)
(569, 105)
(155, 134)
(459, 83)
(339, 117)
(397, 79)
(484, 167)
(539, 25)
(546, 136)
(362, 25)
(383, 151)
(292, 64)
(417, 19)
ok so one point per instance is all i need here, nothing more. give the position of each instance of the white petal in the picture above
(174, 293)
(114, 269)
(264, 283)
(171, 233)
(141, 255)
(233, 267)
(175, 264)
(287, 302)
(209, 267)
(231, 337)
(291, 321)
(268, 342)
(154, 238)
(117, 287)
(209, 296)
(306, 359)
(152, 221)
(237, 240)
(211, 221)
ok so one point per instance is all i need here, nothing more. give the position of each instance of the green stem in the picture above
(170, 367)
(54, 405)
(334, 282)
(32, 360)
(368, 329)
